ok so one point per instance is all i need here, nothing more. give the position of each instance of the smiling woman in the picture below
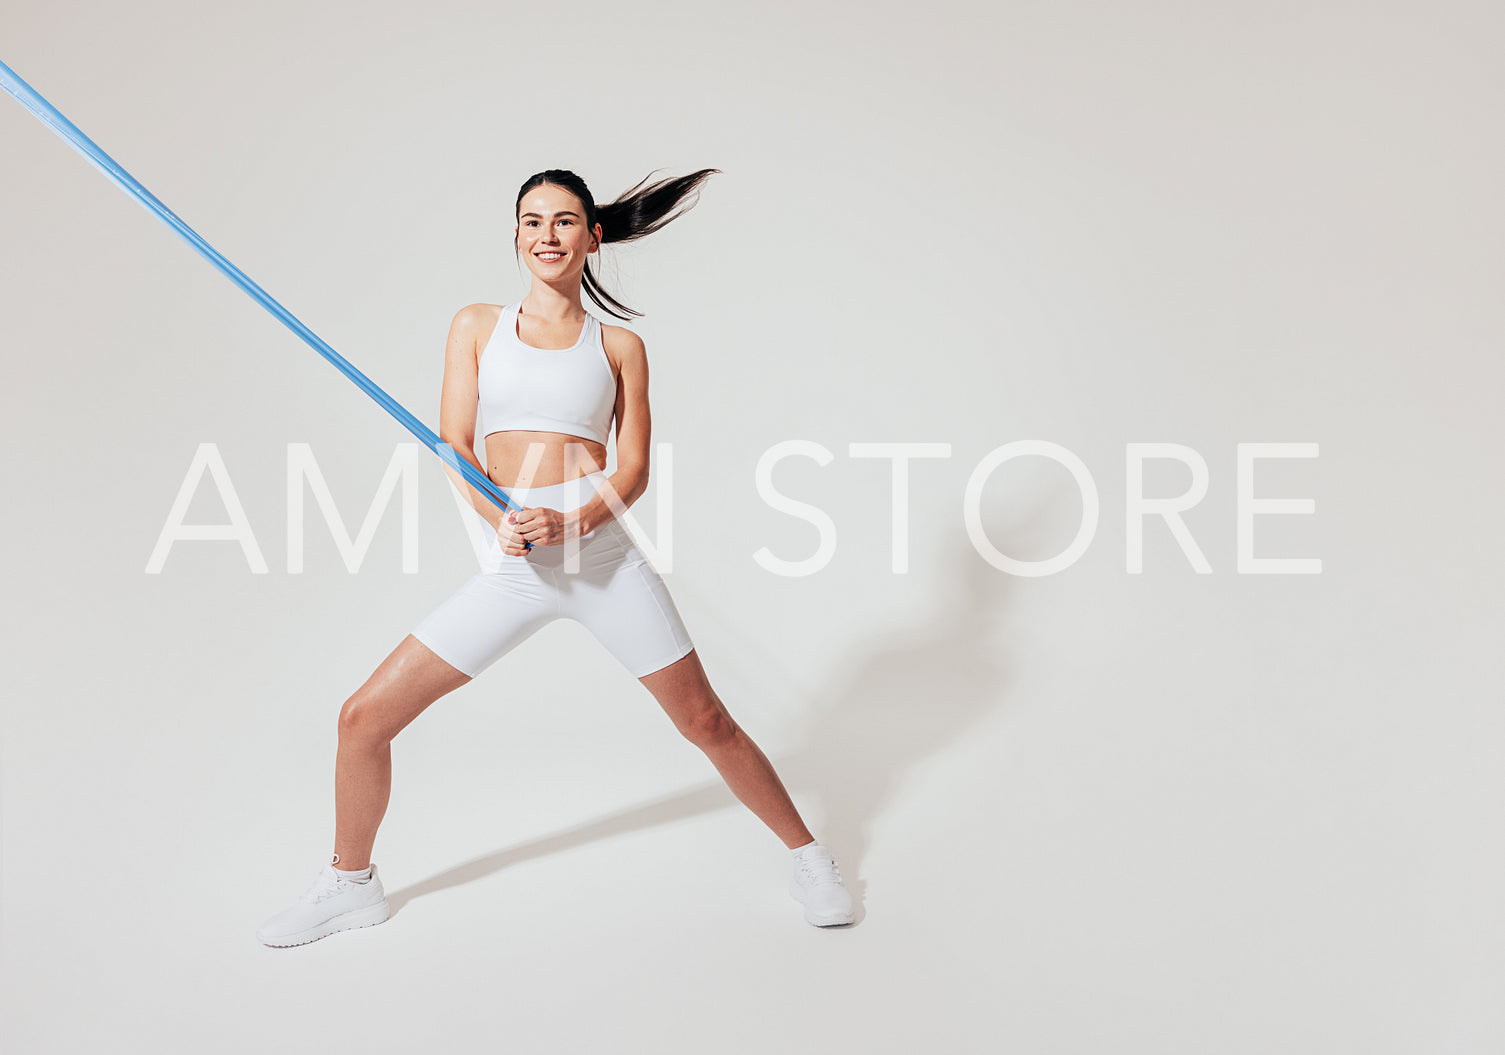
(544, 380)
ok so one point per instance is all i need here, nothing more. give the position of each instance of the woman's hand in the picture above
(540, 526)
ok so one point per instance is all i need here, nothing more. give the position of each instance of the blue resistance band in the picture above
(49, 116)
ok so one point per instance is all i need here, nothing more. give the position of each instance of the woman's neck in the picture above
(551, 304)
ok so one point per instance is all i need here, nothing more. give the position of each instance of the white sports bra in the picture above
(569, 390)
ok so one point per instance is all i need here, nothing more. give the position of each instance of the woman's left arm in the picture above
(634, 428)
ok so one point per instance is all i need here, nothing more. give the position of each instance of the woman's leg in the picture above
(405, 683)
(685, 694)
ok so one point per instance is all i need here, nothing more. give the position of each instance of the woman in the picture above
(548, 379)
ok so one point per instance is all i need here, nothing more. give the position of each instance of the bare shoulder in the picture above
(622, 341)
(477, 317)
(470, 331)
(624, 349)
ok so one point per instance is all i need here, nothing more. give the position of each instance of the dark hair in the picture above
(636, 212)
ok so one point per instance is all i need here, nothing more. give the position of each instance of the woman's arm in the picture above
(457, 403)
(634, 428)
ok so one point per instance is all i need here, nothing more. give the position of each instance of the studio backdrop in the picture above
(1075, 456)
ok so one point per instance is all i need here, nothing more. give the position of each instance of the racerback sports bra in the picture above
(569, 390)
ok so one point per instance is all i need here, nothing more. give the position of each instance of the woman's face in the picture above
(551, 234)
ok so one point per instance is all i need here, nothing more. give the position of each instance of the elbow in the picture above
(635, 477)
(638, 474)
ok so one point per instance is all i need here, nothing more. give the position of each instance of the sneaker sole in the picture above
(833, 920)
(352, 920)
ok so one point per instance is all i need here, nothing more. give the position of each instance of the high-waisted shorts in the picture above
(607, 584)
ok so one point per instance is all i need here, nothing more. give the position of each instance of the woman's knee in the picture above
(361, 720)
(708, 725)
(405, 683)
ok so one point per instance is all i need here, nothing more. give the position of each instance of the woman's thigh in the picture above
(399, 689)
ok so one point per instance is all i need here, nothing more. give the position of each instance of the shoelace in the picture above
(326, 885)
(820, 871)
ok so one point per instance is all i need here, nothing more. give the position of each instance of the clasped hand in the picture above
(540, 526)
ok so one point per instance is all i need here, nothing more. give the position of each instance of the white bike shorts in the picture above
(611, 588)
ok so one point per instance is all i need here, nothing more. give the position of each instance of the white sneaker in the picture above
(817, 885)
(332, 904)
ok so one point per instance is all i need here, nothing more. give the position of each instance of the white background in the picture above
(1088, 812)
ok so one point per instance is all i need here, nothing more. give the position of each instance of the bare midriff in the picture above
(562, 458)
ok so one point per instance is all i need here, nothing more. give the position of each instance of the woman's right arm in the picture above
(457, 403)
